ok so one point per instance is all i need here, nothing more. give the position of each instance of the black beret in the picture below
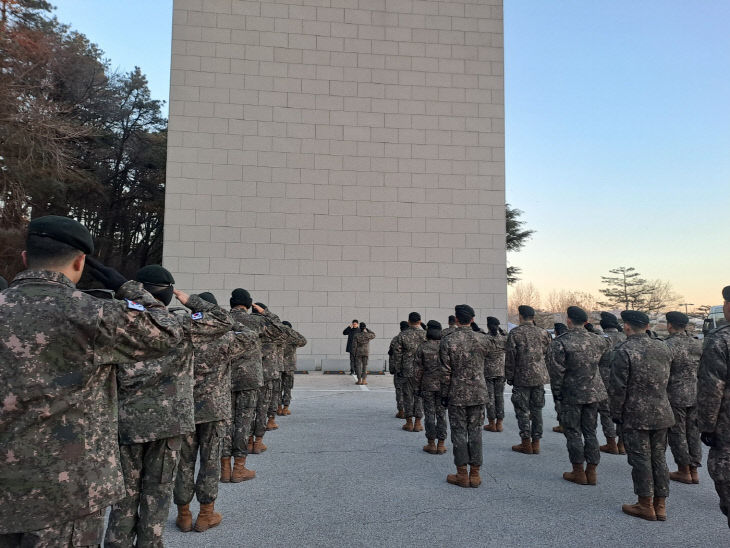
(635, 317)
(452, 319)
(414, 317)
(559, 328)
(154, 274)
(433, 324)
(64, 230)
(577, 314)
(241, 297)
(3, 283)
(208, 297)
(262, 305)
(726, 292)
(608, 320)
(403, 325)
(677, 318)
(286, 323)
(526, 311)
(464, 313)
(491, 320)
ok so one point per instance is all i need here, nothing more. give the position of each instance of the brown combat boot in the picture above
(682, 475)
(642, 509)
(279, 411)
(440, 448)
(258, 446)
(417, 426)
(490, 426)
(578, 475)
(271, 425)
(226, 470)
(408, 426)
(286, 411)
(693, 473)
(250, 444)
(461, 478)
(240, 472)
(660, 508)
(559, 429)
(536, 447)
(524, 447)
(611, 448)
(364, 381)
(400, 415)
(358, 382)
(475, 480)
(207, 518)
(184, 519)
(500, 428)
(621, 448)
(592, 474)
(430, 447)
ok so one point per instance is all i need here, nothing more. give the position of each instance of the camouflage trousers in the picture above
(287, 383)
(398, 384)
(528, 402)
(149, 471)
(646, 453)
(580, 423)
(208, 440)
(607, 424)
(412, 404)
(262, 405)
(243, 405)
(361, 367)
(718, 465)
(435, 416)
(684, 437)
(495, 395)
(466, 434)
(275, 399)
(84, 531)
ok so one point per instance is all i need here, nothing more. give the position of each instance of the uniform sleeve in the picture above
(620, 368)
(445, 358)
(418, 366)
(711, 381)
(398, 353)
(207, 322)
(370, 335)
(556, 368)
(272, 329)
(510, 357)
(299, 339)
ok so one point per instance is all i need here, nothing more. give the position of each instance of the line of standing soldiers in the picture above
(110, 401)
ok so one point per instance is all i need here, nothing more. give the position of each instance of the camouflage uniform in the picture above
(361, 351)
(526, 351)
(428, 382)
(404, 352)
(684, 436)
(576, 383)
(58, 423)
(494, 375)
(275, 401)
(447, 331)
(295, 340)
(639, 401)
(614, 337)
(397, 381)
(155, 410)
(713, 409)
(212, 414)
(462, 356)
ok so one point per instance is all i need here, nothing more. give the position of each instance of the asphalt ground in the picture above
(341, 472)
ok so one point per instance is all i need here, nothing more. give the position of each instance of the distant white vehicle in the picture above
(715, 318)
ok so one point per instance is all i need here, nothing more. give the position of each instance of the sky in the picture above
(617, 131)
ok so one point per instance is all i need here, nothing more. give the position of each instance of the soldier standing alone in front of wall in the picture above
(713, 405)
(527, 349)
(361, 351)
(612, 332)
(397, 381)
(640, 406)
(494, 375)
(404, 352)
(684, 436)
(294, 340)
(428, 380)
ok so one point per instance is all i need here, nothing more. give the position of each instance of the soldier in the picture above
(713, 405)
(684, 436)
(558, 329)
(451, 328)
(494, 375)
(464, 392)
(397, 381)
(527, 348)
(295, 340)
(361, 351)
(427, 367)
(58, 350)
(350, 331)
(640, 405)
(613, 334)
(404, 352)
(155, 411)
(576, 383)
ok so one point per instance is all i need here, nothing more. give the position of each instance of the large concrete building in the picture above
(339, 158)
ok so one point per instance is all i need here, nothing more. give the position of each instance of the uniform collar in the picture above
(45, 275)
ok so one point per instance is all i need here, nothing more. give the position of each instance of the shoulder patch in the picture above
(197, 316)
(135, 306)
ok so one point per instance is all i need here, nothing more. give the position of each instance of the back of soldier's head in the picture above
(56, 242)
(414, 318)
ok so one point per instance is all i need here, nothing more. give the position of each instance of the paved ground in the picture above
(341, 472)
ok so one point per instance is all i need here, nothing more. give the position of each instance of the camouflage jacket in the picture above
(58, 417)
(526, 351)
(494, 362)
(447, 331)
(270, 330)
(613, 337)
(361, 343)
(427, 366)
(573, 366)
(686, 352)
(713, 392)
(295, 340)
(246, 370)
(462, 356)
(638, 387)
(156, 396)
(391, 349)
(404, 350)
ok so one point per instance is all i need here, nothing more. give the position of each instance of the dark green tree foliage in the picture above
(76, 139)
(627, 290)
(517, 237)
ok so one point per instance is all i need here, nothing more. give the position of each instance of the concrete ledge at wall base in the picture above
(376, 367)
(331, 365)
(306, 364)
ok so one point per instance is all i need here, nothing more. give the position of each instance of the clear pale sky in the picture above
(618, 130)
